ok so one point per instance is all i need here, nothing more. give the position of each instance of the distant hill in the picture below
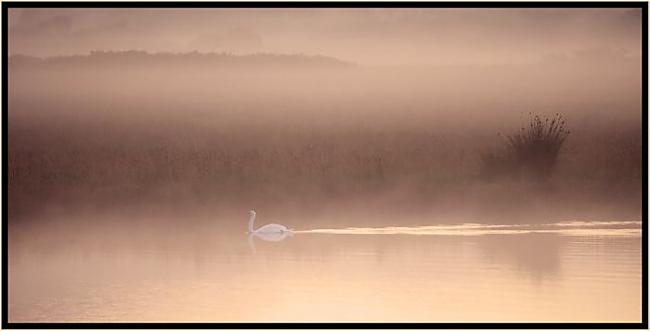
(110, 59)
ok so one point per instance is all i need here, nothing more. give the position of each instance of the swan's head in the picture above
(251, 212)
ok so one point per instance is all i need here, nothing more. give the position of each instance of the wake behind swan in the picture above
(573, 228)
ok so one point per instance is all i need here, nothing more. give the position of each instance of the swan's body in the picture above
(271, 228)
(265, 229)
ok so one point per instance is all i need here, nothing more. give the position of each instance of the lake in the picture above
(198, 272)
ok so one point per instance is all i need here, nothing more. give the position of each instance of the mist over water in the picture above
(107, 130)
(134, 160)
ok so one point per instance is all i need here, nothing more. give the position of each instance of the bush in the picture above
(531, 152)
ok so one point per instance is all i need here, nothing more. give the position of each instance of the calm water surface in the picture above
(200, 272)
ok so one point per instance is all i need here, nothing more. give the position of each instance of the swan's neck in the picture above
(251, 222)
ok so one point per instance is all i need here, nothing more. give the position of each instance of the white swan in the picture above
(265, 229)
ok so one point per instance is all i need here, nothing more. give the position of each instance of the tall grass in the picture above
(67, 165)
(116, 165)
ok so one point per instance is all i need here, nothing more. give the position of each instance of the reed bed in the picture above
(114, 167)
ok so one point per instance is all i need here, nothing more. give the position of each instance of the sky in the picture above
(368, 36)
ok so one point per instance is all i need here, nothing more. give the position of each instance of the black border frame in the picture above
(329, 4)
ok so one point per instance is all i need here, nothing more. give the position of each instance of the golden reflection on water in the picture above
(203, 274)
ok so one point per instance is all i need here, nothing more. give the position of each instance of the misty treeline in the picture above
(381, 141)
(133, 59)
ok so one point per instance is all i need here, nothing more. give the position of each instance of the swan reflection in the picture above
(268, 236)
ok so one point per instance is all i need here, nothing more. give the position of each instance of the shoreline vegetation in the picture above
(381, 142)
